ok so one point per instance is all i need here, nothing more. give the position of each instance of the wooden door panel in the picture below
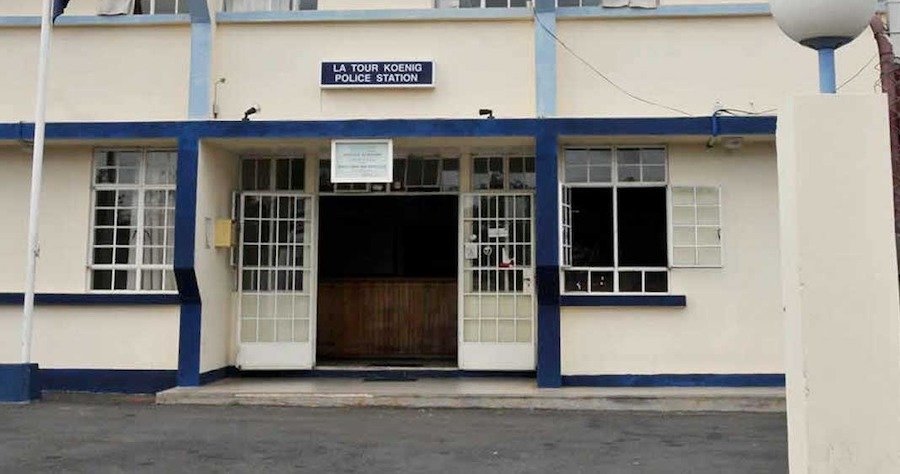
(387, 318)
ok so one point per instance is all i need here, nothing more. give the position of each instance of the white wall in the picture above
(64, 219)
(477, 64)
(33, 7)
(99, 73)
(691, 64)
(732, 322)
(217, 178)
(95, 337)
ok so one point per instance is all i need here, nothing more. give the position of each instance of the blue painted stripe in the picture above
(106, 380)
(215, 375)
(547, 259)
(679, 301)
(199, 103)
(19, 383)
(97, 20)
(374, 128)
(425, 14)
(675, 380)
(655, 126)
(185, 276)
(92, 299)
(95, 130)
(668, 11)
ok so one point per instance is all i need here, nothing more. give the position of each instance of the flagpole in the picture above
(37, 169)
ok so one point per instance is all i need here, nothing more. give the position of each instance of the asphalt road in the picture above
(127, 435)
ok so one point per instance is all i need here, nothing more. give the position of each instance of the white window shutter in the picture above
(696, 227)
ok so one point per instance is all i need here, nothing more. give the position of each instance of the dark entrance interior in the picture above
(387, 280)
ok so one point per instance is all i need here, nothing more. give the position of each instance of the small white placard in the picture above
(498, 233)
(362, 161)
(471, 251)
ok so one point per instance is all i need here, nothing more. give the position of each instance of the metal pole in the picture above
(827, 81)
(37, 168)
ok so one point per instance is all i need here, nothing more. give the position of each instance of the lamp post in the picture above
(823, 25)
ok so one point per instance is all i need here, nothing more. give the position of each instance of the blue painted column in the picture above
(199, 103)
(547, 198)
(185, 275)
(199, 108)
(545, 58)
(547, 235)
(827, 79)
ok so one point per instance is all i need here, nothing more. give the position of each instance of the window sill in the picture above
(671, 301)
(94, 299)
(424, 14)
(99, 20)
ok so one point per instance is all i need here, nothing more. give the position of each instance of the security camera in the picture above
(488, 112)
(255, 108)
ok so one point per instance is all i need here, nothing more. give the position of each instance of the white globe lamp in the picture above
(823, 25)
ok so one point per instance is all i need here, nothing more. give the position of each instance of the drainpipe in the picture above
(890, 73)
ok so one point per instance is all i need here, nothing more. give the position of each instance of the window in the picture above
(696, 227)
(272, 174)
(499, 172)
(268, 5)
(158, 7)
(413, 174)
(133, 224)
(614, 220)
(480, 3)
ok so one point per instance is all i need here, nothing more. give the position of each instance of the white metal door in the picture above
(497, 303)
(275, 327)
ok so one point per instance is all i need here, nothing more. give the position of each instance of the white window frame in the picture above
(140, 188)
(565, 249)
(506, 157)
(718, 226)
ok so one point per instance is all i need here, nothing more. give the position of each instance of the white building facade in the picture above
(581, 192)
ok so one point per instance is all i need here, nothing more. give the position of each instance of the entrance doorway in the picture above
(387, 273)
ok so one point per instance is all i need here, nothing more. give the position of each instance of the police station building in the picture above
(579, 191)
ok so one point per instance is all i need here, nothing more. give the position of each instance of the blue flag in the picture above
(58, 7)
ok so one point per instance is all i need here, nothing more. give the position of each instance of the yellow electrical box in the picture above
(224, 233)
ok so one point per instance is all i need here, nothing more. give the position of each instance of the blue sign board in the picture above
(373, 74)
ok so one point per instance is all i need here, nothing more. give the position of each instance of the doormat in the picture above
(395, 364)
(389, 378)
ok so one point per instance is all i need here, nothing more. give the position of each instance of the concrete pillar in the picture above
(839, 276)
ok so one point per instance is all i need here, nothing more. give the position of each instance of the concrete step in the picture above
(472, 393)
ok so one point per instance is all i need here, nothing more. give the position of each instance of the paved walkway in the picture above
(97, 436)
(470, 393)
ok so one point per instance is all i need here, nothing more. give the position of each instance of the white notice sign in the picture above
(362, 161)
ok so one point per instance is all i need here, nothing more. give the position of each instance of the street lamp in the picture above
(823, 25)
